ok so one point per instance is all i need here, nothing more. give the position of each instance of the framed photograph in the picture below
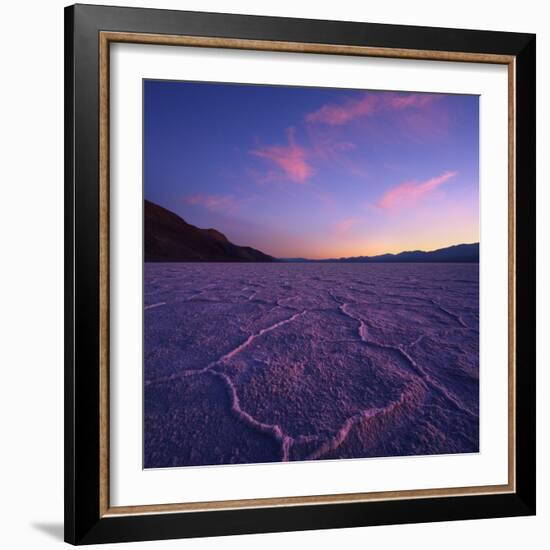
(300, 274)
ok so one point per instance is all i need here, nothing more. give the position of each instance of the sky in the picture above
(315, 172)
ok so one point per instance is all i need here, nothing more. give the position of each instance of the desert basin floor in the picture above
(269, 362)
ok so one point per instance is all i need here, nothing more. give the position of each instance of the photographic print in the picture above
(298, 259)
(311, 273)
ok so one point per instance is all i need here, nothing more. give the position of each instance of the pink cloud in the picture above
(409, 192)
(340, 114)
(214, 203)
(343, 226)
(399, 101)
(369, 104)
(290, 159)
(326, 146)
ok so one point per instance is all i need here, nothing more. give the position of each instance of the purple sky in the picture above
(315, 172)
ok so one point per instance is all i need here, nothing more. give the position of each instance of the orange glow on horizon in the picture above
(386, 247)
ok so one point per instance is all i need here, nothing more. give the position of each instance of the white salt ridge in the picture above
(151, 306)
(424, 376)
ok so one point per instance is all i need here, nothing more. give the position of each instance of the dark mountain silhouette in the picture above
(460, 253)
(168, 238)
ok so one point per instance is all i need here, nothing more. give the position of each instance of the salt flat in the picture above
(263, 362)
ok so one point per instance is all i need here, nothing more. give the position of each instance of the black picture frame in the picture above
(84, 524)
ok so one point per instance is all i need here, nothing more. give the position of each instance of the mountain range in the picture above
(169, 238)
(460, 253)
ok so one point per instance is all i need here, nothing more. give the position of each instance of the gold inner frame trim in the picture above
(105, 39)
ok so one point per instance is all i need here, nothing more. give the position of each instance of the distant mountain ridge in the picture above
(169, 238)
(460, 253)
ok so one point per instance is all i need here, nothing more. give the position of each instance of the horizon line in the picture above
(340, 258)
(333, 258)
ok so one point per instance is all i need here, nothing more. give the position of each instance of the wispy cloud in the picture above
(404, 101)
(337, 114)
(343, 227)
(409, 192)
(291, 160)
(327, 146)
(214, 203)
